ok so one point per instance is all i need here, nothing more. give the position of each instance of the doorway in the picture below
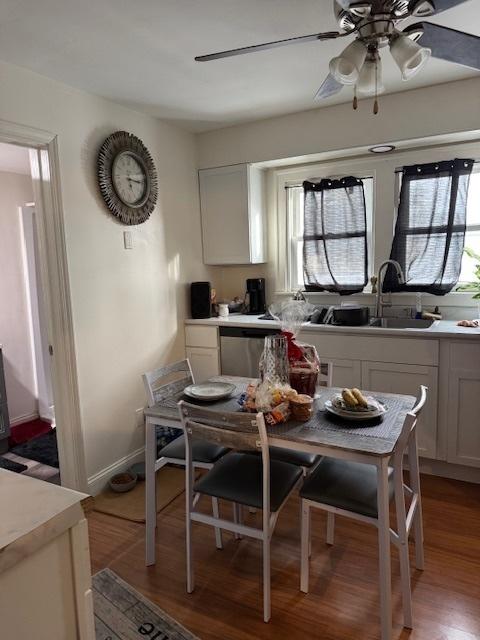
(28, 441)
(53, 386)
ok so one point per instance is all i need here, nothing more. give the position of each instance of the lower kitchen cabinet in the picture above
(205, 362)
(407, 378)
(346, 373)
(463, 427)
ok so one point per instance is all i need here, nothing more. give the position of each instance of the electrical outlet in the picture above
(139, 418)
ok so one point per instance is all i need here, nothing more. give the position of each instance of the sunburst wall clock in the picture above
(127, 178)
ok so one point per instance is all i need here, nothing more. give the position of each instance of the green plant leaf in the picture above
(476, 296)
(471, 253)
(471, 286)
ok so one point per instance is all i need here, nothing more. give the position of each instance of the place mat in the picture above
(131, 505)
(122, 613)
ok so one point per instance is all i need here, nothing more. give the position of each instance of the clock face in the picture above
(130, 179)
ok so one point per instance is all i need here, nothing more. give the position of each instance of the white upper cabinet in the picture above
(233, 215)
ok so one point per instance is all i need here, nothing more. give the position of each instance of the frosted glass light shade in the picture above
(366, 79)
(409, 55)
(346, 67)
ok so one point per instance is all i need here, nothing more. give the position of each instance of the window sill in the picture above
(454, 299)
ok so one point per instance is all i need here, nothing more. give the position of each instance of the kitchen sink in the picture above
(401, 323)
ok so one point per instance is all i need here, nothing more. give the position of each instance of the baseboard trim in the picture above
(449, 470)
(25, 418)
(99, 481)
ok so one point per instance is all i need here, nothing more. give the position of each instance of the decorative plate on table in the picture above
(209, 391)
(337, 406)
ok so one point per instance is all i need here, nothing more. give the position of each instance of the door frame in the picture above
(56, 288)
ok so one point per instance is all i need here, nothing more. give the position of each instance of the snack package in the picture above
(303, 359)
(271, 400)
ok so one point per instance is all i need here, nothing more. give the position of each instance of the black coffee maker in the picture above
(255, 296)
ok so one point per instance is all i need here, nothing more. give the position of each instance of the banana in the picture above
(349, 398)
(360, 398)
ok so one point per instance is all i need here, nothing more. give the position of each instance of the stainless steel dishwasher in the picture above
(240, 350)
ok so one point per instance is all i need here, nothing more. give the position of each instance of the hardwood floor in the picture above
(343, 599)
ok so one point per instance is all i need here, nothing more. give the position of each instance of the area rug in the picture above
(10, 465)
(122, 613)
(20, 433)
(42, 449)
(131, 505)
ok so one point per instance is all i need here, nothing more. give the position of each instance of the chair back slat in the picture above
(325, 375)
(223, 437)
(160, 385)
(236, 430)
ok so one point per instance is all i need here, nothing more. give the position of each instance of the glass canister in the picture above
(274, 361)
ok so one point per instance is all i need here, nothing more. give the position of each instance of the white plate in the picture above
(209, 391)
(355, 415)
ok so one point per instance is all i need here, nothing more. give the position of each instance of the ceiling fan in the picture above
(375, 25)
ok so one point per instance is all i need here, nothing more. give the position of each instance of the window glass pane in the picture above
(472, 241)
(472, 236)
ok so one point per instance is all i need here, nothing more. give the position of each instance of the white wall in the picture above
(432, 111)
(128, 306)
(421, 113)
(15, 191)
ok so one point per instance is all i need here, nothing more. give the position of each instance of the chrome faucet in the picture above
(379, 304)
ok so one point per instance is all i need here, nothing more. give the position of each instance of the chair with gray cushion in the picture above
(350, 489)
(241, 478)
(167, 382)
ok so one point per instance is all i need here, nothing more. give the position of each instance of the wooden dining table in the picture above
(368, 442)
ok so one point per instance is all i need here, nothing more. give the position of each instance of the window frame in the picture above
(294, 240)
(385, 170)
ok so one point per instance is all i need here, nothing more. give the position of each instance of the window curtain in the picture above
(335, 236)
(430, 228)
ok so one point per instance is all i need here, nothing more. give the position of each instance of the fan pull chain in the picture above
(355, 101)
(375, 104)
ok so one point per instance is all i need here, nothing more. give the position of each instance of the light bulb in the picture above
(409, 56)
(346, 67)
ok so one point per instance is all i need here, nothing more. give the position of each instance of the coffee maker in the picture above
(255, 296)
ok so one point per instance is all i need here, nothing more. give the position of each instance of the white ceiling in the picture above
(141, 53)
(14, 159)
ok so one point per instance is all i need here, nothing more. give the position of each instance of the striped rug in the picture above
(121, 613)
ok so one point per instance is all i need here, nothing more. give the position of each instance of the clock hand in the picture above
(133, 180)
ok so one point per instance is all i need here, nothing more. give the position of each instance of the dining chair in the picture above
(166, 382)
(241, 478)
(351, 489)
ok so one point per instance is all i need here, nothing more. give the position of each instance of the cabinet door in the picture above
(224, 206)
(463, 422)
(407, 378)
(346, 373)
(205, 362)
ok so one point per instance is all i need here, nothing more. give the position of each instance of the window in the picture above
(295, 201)
(472, 235)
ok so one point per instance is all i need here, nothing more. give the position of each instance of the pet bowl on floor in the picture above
(123, 482)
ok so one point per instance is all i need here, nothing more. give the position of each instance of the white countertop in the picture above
(439, 329)
(26, 504)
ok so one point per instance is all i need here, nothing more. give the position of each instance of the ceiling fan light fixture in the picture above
(346, 67)
(369, 81)
(422, 8)
(409, 56)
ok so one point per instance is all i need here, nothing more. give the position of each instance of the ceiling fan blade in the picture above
(329, 35)
(443, 5)
(329, 88)
(449, 44)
